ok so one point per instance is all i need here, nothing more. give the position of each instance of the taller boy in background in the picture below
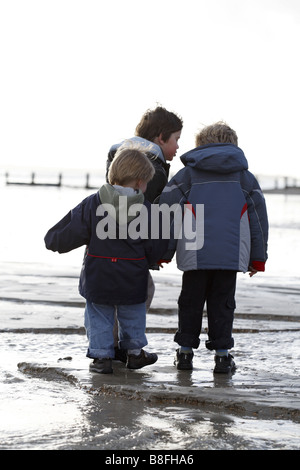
(233, 232)
(159, 131)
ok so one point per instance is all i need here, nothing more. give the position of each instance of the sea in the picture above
(28, 211)
(41, 414)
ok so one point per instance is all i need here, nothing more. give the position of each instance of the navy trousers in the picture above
(217, 289)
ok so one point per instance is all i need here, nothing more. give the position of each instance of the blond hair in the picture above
(130, 164)
(218, 133)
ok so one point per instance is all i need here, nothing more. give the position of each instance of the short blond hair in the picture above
(218, 133)
(130, 164)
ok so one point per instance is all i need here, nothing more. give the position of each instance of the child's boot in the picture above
(224, 364)
(184, 360)
(102, 366)
(141, 360)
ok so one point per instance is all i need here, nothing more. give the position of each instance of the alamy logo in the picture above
(161, 222)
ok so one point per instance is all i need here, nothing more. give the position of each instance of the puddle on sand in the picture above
(55, 414)
(39, 415)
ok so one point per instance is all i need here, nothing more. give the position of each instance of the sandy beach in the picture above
(70, 95)
(43, 347)
(50, 400)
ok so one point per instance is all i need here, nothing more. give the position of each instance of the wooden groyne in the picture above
(287, 190)
(32, 182)
(284, 185)
(276, 185)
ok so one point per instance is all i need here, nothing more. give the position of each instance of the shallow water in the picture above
(53, 411)
(50, 411)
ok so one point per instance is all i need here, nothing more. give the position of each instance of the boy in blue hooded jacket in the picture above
(223, 205)
(114, 275)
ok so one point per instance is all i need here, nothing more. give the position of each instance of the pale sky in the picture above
(76, 76)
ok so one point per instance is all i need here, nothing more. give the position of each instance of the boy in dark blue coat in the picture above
(114, 224)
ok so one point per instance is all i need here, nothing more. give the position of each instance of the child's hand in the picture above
(252, 271)
(163, 261)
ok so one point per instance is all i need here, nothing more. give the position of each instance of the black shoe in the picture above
(183, 361)
(224, 364)
(102, 366)
(121, 355)
(142, 360)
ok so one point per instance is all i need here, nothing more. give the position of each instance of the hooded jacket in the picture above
(224, 206)
(115, 265)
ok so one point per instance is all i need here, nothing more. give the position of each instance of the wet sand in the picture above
(43, 345)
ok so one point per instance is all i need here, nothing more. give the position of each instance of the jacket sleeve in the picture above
(174, 196)
(156, 185)
(259, 227)
(155, 243)
(71, 232)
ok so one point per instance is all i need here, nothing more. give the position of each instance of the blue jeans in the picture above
(99, 322)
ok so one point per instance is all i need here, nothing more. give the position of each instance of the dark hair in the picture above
(156, 122)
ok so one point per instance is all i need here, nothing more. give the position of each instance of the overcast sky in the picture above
(76, 76)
